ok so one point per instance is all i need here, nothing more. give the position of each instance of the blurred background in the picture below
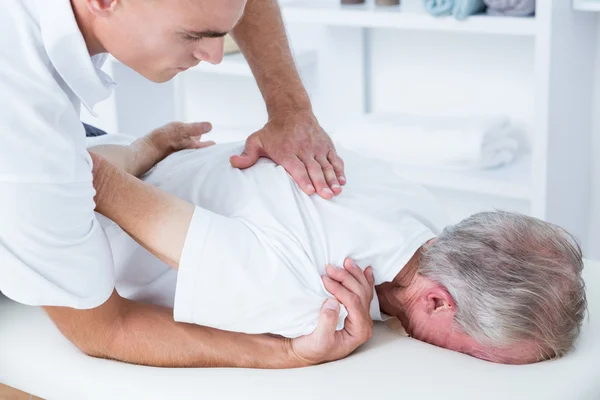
(488, 108)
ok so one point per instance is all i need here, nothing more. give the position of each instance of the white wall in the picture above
(594, 235)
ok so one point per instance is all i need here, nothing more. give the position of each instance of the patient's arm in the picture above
(148, 150)
(157, 220)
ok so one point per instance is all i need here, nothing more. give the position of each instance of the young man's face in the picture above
(160, 38)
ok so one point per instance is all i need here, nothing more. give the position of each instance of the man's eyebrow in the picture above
(206, 34)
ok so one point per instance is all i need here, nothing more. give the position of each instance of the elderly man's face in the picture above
(430, 318)
(160, 38)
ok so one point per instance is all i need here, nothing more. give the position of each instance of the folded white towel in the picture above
(434, 141)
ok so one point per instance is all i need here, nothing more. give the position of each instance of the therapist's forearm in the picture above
(145, 334)
(262, 38)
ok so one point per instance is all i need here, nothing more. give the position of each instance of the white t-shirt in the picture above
(52, 248)
(257, 245)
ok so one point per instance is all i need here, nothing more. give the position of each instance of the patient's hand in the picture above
(161, 142)
(354, 289)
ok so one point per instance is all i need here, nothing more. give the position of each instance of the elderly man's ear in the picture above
(102, 8)
(439, 303)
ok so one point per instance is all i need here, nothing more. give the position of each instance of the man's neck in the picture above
(393, 295)
(85, 22)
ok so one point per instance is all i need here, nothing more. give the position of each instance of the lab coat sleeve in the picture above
(53, 251)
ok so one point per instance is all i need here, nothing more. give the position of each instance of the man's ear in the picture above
(439, 301)
(102, 8)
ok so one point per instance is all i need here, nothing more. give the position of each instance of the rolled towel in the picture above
(460, 9)
(511, 8)
(462, 143)
(464, 8)
(439, 8)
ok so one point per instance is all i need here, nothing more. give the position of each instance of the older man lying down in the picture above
(242, 250)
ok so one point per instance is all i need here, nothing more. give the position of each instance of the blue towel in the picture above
(511, 8)
(460, 9)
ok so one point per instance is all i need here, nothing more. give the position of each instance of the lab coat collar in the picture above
(69, 55)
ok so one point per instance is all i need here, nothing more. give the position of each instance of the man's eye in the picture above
(193, 38)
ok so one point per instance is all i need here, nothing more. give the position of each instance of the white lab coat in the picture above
(53, 251)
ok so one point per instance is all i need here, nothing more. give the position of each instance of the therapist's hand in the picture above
(295, 140)
(354, 289)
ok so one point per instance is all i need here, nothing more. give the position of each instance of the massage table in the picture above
(35, 358)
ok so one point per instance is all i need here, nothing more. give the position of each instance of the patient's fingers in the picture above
(315, 170)
(177, 136)
(330, 176)
(195, 144)
(185, 136)
(297, 170)
(197, 128)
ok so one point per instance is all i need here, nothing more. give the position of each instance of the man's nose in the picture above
(211, 51)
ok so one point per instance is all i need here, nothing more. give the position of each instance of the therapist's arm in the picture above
(140, 333)
(292, 136)
(146, 334)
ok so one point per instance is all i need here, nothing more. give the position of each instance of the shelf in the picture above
(403, 17)
(586, 5)
(235, 64)
(512, 181)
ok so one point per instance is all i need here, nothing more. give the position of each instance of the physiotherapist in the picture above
(53, 252)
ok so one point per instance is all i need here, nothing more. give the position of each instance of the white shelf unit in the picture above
(406, 16)
(555, 179)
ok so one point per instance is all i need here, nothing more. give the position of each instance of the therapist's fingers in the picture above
(358, 324)
(358, 274)
(328, 319)
(338, 166)
(315, 171)
(330, 176)
(250, 155)
(345, 278)
(297, 169)
(346, 294)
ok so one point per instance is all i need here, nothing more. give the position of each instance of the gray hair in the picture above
(514, 278)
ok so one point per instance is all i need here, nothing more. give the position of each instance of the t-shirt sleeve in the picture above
(220, 253)
(231, 278)
(53, 251)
